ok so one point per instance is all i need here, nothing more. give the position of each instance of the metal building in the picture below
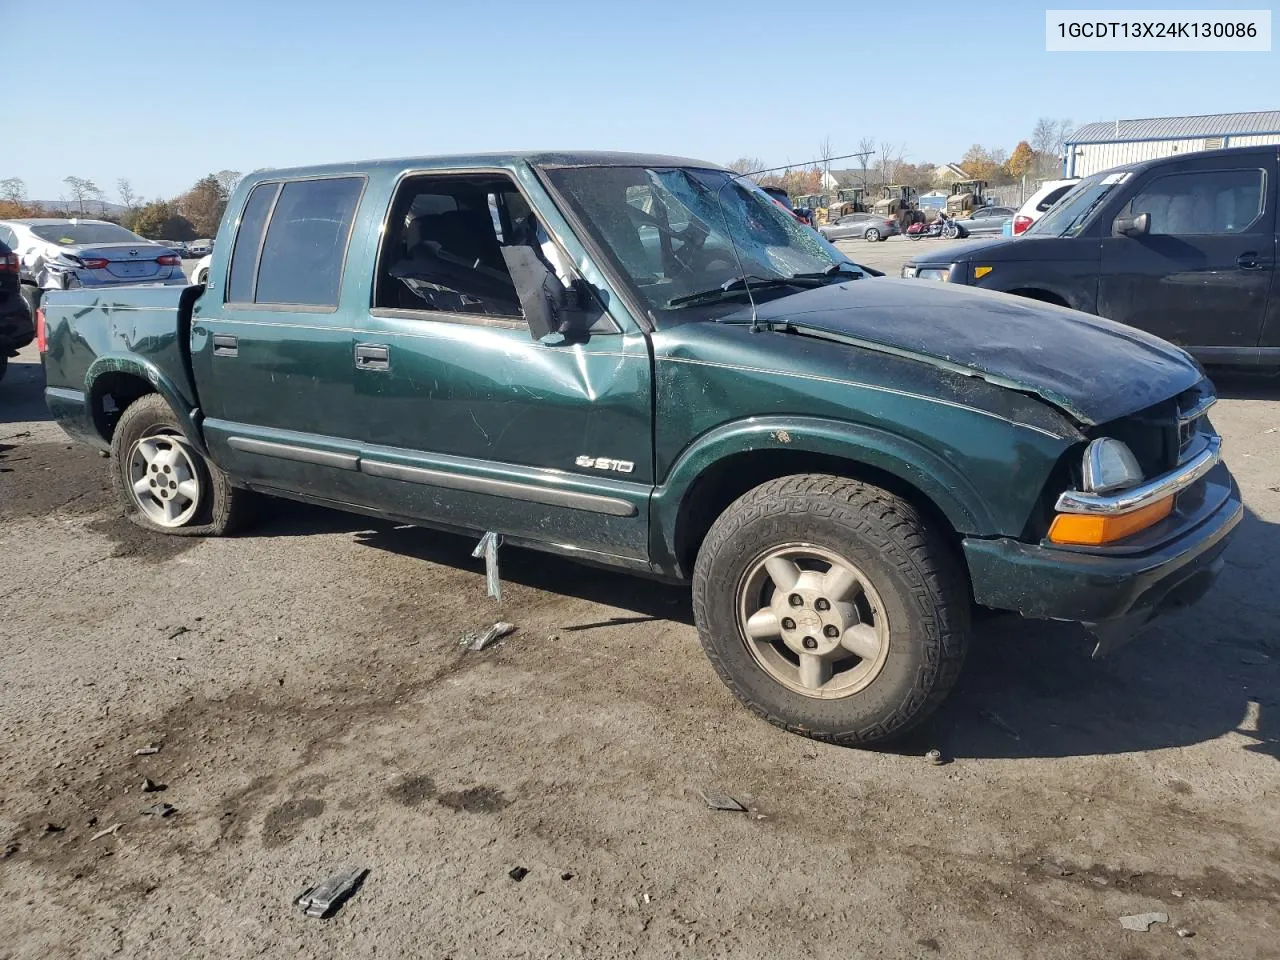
(1100, 146)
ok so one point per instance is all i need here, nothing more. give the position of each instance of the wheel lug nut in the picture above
(788, 623)
(796, 600)
(822, 603)
(831, 630)
(810, 643)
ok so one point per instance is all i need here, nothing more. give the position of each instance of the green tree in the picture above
(202, 205)
(158, 220)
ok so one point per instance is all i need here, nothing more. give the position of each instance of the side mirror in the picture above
(1136, 226)
(543, 297)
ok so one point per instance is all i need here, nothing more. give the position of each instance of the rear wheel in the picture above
(872, 235)
(831, 609)
(163, 483)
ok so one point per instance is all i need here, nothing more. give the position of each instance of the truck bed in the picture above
(140, 332)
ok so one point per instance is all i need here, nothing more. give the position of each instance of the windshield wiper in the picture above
(831, 271)
(737, 286)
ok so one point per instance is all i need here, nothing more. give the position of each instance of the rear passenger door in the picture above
(1201, 277)
(271, 344)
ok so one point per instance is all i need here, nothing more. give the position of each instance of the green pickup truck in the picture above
(643, 362)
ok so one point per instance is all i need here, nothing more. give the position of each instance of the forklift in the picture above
(848, 200)
(816, 204)
(901, 202)
(966, 196)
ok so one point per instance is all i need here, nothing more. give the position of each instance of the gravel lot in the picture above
(312, 708)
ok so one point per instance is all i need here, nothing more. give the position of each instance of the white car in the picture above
(198, 248)
(201, 272)
(1038, 204)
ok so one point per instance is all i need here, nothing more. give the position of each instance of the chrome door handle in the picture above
(372, 356)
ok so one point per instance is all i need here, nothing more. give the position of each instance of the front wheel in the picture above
(872, 235)
(831, 608)
(163, 483)
(950, 231)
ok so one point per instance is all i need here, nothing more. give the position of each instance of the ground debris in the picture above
(1055, 869)
(518, 873)
(53, 828)
(110, 831)
(150, 786)
(1186, 933)
(147, 750)
(1141, 922)
(474, 643)
(719, 800)
(324, 899)
(178, 631)
(161, 810)
(935, 757)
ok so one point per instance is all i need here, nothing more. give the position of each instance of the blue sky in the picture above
(162, 93)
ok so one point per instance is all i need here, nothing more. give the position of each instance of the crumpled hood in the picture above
(1093, 369)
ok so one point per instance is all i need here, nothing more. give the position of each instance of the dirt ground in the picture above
(312, 708)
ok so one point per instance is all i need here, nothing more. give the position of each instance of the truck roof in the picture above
(540, 158)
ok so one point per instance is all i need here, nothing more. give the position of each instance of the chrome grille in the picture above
(1193, 406)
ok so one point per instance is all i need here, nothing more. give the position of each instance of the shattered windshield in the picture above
(79, 234)
(672, 232)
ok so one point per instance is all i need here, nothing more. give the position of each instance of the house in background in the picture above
(1111, 143)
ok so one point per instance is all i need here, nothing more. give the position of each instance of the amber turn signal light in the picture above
(1093, 531)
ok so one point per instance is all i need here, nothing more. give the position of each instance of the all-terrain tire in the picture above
(221, 508)
(918, 577)
(31, 297)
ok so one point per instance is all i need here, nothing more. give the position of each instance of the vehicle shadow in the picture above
(649, 599)
(1029, 687)
(1244, 386)
(22, 392)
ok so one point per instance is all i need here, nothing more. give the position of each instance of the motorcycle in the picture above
(943, 227)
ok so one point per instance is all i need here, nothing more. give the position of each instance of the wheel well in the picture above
(111, 395)
(725, 481)
(1044, 296)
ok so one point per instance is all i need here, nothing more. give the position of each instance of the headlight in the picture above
(934, 273)
(908, 272)
(1109, 465)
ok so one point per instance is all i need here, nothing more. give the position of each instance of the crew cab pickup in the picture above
(644, 362)
(1183, 247)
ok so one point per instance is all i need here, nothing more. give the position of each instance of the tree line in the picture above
(192, 214)
(878, 164)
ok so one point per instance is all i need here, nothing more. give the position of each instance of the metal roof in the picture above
(1171, 128)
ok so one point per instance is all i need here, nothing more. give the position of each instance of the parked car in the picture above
(16, 327)
(199, 248)
(985, 221)
(865, 226)
(1038, 204)
(57, 254)
(839, 464)
(1182, 247)
(177, 246)
(201, 272)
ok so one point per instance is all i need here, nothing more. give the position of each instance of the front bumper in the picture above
(1114, 590)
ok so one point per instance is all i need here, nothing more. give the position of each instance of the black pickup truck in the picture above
(1183, 247)
(16, 323)
(645, 362)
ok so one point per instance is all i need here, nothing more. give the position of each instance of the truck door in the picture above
(1200, 277)
(271, 349)
(465, 420)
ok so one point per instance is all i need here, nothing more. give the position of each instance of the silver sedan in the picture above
(987, 220)
(868, 226)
